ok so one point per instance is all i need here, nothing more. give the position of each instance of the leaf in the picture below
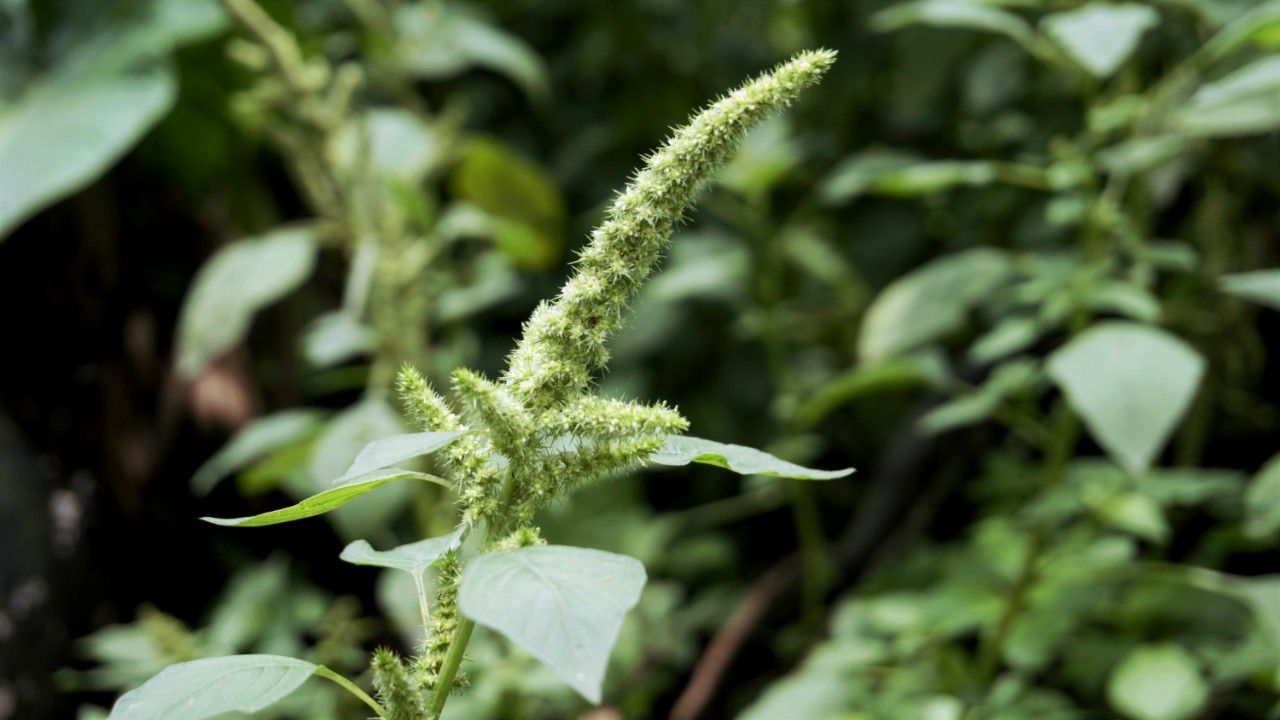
(1134, 513)
(327, 500)
(1262, 595)
(337, 446)
(930, 302)
(1008, 378)
(855, 174)
(1244, 102)
(924, 369)
(1138, 154)
(1100, 37)
(1260, 286)
(396, 449)
(412, 558)
(955, 13)
(438, 41)
(255, 440)
(1259, 25)
(901, 175)
(1131, 384)
(682, 450)
(1012, 334)
(563, 604)
(336, 337)
(1158, 682)
(1125, 298)
(1262, 501)
(804, 695)
(235, 283)
(394, 142)
(209, 687)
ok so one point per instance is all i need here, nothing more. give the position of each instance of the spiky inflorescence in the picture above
(444, 622)
(399, 695)
(594, 416)
(564, 341)
(424, 406)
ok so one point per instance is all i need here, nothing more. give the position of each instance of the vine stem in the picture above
(444, 682)
(352, 688)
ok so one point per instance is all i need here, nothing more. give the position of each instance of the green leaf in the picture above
(336, 337)
(1125, 298)
(343, 438)
(254, 441)
(439, 41)
(1131, 384)
(1260, 25)
(1158, 682)
(1133, 513)
(1260, 286)
(804, 695)
(209, 687)
(930, 302)
(327, 500)
(1262, 501)
(856, 174)
(1100, 37)
(1262, 595)
(682, 450)
(1142, 153)
(564, 605)
(394, 142)
(1011, 335)
(395, 450)
(412, 558)
(1010, 377)
(955, 13)
(1244, 102)
(924, 369)
(235, 283)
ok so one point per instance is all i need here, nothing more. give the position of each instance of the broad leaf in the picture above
(564, 605)
(1262, 501)
(394, 142)
(205, 688)
(930, 302)
(1101, 37)
(1131, 384)
(395, 450)
(335, 338)
(1244, 102)
(1261, 286)
(254, 441)
(955, 13)
(1158, 682)
(412, 558)
(327, 500)
(235, 283)
(343, 438)
(682, 450)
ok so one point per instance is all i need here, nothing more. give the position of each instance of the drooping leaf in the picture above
(205, 688)
(1158, 682)
(1244, 102)
(564, 605)
(235, 283)
(412, 558)
(396, 449)
(1131, 384)
(955, 13)
(439, 41)
(254, 441)
(1260, 286)
(930, 302)
(327, 500)
(682, 450)
(1262, 501)
(1101, 36)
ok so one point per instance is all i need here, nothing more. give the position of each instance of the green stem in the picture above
(444, 682)
(813, 552)
(351, 687)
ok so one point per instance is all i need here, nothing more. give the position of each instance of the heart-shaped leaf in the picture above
(209, 687)
(327, 500)
(682, 450)
(1131, 384)
(412, 558)
(396, 449)
(563, 604)
(1101, 37)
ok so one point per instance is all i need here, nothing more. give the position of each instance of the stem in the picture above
(444, 682)
(351, 687)
(813, 552)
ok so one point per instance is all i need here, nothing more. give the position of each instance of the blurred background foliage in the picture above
(1012, 260)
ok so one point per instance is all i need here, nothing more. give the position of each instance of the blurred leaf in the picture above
(235, 283)
(440, 40)
(1007, 379)
(395, 142)
(1261, 25)
(682, 450)
(1134, 513)
(854, 175)
(1260, 286)
(338, 445)
(812, 695)
(495, 281)
(1124, 298)
(259, 438)
(1244, 102)
(246, 606)
(923, 369)
(1262, 502)
(763, 159)
(334, 338)
(930, 302)
(1139, 154)
(1131, 384)
(393, 450)
(1100, 36)
(506, 185)
(1158, 682)
(413, 558)
(564, 605)
(955, 13)
(327, 500)
(205, 688)
(1011, 335)
(1262, 595)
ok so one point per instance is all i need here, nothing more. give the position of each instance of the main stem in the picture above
(452, 661)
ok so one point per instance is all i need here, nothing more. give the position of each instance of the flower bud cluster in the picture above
(444, 622)
(398, 694)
